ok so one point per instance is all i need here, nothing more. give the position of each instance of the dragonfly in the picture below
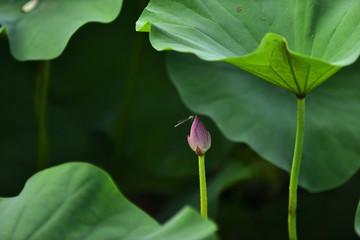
(184, 120)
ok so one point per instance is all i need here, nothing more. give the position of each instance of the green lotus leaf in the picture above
(247, 109)
(357, 220)
(294, 45)
(80, 201)
(40, 29)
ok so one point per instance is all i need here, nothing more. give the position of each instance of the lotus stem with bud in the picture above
(200, 141)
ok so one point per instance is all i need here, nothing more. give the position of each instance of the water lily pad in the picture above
(247, 109)
(296, 46)
(41, 30)
(80, 201)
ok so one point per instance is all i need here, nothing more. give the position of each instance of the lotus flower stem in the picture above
(294, 176)
(40, 104)
(200, 141)
(203, 193)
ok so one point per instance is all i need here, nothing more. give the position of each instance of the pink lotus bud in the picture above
(199, 139)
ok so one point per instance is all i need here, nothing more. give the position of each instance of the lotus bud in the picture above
(199, 139)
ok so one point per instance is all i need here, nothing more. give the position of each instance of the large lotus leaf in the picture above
(249, 110)
(80, 201)
(43, 30)
(357, 220)
(294, 45)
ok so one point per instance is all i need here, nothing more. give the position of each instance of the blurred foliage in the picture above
(112, 104)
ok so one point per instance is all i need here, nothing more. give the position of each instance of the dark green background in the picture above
(112, 104)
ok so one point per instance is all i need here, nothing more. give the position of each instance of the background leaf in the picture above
(77, 201)
(320, 36)
(252, 111)
(43, 32)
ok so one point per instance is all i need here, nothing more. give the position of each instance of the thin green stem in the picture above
(203, 194)
(294, 176)
(40, 104)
